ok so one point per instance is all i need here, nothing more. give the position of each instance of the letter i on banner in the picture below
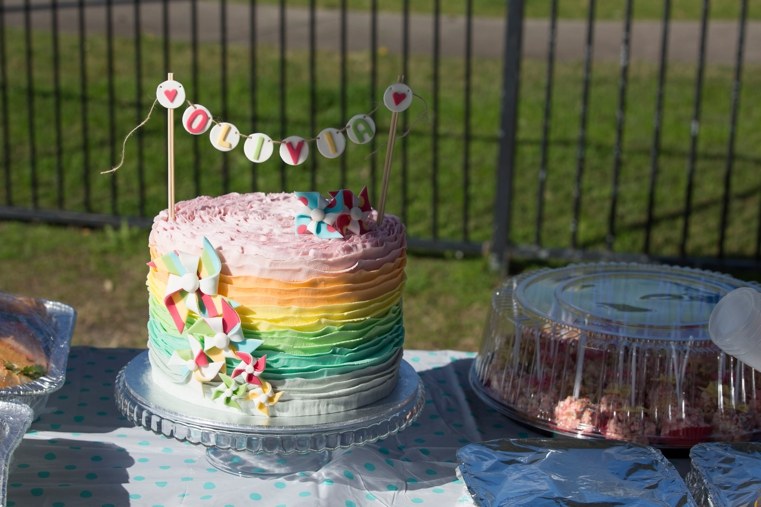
(171, 95)
(397, 98)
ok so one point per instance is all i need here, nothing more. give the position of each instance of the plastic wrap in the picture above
(726, 474)
(52, 324)
(538, 472)
(617, 351)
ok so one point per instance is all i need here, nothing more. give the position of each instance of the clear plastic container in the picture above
(617, 351)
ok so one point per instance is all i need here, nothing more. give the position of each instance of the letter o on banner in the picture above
(360, 129)
(331, 143)
(294, 150)
(224, 136)
(258, 148)
(196, 119)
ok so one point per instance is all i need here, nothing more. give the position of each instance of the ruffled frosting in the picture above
(327, 313)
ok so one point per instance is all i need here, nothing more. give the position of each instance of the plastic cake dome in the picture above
(617, 351)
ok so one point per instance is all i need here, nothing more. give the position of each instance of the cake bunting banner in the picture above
(258, 147)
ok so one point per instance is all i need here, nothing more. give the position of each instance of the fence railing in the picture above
(518, 151)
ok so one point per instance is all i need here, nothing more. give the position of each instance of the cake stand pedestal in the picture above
(258, 445)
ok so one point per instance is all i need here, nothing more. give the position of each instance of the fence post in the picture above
(508, 134)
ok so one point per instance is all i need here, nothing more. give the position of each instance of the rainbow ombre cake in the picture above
(276, 304)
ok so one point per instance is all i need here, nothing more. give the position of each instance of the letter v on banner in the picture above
(294, 150)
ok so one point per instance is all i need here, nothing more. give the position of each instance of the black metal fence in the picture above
(509, 150)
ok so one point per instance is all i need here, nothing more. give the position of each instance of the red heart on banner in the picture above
(170, 94)
(399, 97)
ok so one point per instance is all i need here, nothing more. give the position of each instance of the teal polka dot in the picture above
(370, 497)
(419, 440)
(431, 471)
(186, 479)
(348, 475)
(383, 450)
(417, 500)
(389, 462)
(161, 484)
(209, 485)
(165, 467)
(70, 467)
(143, 443)
(438, 491)
(55, 426)
(50, 456)
(415, 359)
(280, 485)
(369, 467)
(85, 494)
(79, 418)
(139, 478)
(167, 450)
(392, 487)
(425, 451)
(143, 460)
(135, 496)
(255, 496)
(37, 491)
(411, 480)
(189, 460)
(43, 475)
(326, 482)
(207, 497)
(23, 465)
(349, 503)
(91, 476)
(96, 458)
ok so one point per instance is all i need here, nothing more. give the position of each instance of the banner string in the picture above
(124, 143)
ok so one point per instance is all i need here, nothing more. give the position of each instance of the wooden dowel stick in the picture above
(170, 157)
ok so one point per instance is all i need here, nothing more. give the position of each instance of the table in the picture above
(82, 451)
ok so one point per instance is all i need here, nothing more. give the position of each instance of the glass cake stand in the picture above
(259, 445)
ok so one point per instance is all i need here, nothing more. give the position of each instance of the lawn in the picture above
(102, 272)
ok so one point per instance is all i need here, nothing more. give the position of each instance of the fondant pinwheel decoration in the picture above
(249, 368)
(191, 284)
(229, 392)
(317, 215)
(356, 211)
(222, 333)
(202, 366)
(263, 397)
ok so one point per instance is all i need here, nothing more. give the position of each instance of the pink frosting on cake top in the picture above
(255, 235)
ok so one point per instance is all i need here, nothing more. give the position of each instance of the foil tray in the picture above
(559, 471)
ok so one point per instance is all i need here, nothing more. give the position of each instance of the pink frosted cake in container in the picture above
(617, 351)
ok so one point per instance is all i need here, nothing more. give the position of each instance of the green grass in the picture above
(446, 300)
(567, 9)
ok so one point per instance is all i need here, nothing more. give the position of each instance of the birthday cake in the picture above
(283, 304)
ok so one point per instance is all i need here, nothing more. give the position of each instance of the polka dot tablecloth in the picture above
(82, 452)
